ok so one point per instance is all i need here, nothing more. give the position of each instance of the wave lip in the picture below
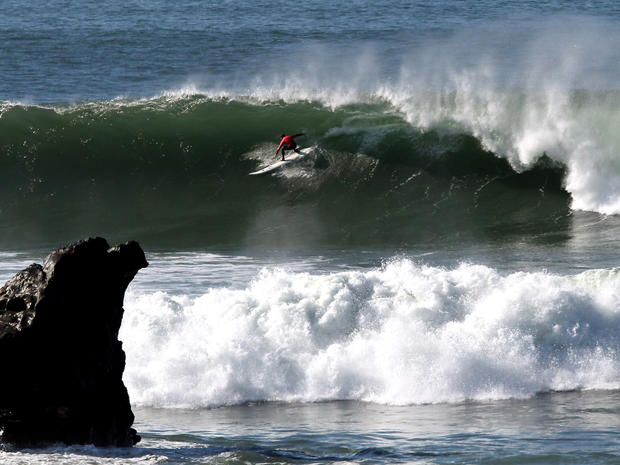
(179, 133)
(402, 334)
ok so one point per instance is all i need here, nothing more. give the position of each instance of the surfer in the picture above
(288, 143)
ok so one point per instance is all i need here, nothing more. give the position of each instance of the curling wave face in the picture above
(172, 171)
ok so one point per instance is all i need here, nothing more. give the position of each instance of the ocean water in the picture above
(438, 283)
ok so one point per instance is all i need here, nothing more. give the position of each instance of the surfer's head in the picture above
(282, 136)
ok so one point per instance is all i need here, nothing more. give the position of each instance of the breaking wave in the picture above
(173, 170)
(403, 333)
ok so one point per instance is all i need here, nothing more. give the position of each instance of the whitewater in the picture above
(402, 333)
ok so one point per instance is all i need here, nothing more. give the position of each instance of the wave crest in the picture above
(182, 161)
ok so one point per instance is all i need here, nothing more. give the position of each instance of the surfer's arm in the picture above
(279, 146)
(297, 135)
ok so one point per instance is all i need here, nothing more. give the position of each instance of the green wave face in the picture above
(173, 173)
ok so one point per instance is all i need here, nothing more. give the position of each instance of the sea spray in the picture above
(404, 333)
(547, 89)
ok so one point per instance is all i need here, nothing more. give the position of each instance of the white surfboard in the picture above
(291, 157)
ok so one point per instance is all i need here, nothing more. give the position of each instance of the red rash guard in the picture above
(288, 140)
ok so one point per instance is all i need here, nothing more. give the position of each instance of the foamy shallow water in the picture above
(237, 358)
(568, 428)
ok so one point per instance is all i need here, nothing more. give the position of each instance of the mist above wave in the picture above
(537, 86)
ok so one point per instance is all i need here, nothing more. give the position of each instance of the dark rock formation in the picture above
(61, 362)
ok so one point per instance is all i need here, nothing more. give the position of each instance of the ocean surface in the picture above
(438, 283)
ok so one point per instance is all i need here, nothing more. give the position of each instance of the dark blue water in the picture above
(438, 284)
(75, 50)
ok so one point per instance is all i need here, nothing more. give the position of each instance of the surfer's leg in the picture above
(285, 147)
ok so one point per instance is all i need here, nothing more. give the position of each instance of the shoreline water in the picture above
(571, 427)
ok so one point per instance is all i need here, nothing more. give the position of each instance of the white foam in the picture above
(579, 131)
(404, 333)
(78, 455)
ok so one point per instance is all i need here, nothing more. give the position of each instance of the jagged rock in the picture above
(61, 360)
